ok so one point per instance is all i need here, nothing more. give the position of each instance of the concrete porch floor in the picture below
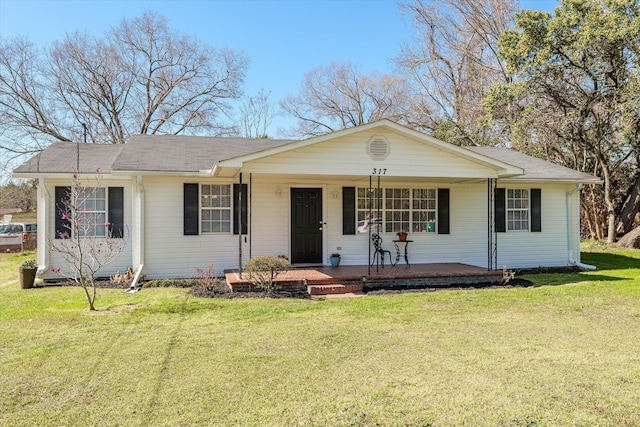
(437, 274)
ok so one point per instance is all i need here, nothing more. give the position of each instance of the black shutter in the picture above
(63, 226)
(236, 207)
(536, 210)
(348, 210)
(116, 212)
(443, 211)
(191, 217)
(499, 211)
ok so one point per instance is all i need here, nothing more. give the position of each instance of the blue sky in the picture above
(283, 38)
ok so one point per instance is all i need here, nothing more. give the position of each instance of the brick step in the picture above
(334, 288)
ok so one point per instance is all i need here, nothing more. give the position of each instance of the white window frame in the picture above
(402, 208)
(362, 210)
(518, 203)
(220, 205)
(92, 212)
(424, 210)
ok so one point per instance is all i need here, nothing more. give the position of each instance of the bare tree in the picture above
(19, 195)
(339, 96)
(87, 243)
(141, 77)
(453, 60)
(256, 115)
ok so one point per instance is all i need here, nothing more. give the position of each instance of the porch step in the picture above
(335, 289)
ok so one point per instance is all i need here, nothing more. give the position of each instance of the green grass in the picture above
(9, 263)
(562, 353)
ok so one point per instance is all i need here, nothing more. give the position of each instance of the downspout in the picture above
(569, 233)
(42, 252)
(139, 234)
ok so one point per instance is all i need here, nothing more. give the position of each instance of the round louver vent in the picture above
(378, 148)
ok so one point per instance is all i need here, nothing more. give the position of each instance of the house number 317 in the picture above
(379, 171)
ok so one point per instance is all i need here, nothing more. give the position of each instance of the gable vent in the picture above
(378, 148)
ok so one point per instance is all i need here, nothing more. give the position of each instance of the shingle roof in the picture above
(170, 153)
(191, 154)
(534, 169)
(159, 153)
(62, 157)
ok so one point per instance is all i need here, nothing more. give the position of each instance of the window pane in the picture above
(517, 209)
(216, 208)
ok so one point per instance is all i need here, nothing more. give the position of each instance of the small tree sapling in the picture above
(87, 242)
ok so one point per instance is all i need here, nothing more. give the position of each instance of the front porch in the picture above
(326, 280)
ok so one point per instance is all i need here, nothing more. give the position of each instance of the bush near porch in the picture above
(564, 352)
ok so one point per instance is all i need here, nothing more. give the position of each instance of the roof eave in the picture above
(205, 172)
(521, 179)
(53, 175)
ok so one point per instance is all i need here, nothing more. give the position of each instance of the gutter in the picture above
(137, 236)
(569, 249)
(141, 226)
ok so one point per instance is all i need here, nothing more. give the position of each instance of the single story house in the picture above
(192, 202)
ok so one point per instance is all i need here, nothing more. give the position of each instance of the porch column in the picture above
(239, 219)
(492, 237)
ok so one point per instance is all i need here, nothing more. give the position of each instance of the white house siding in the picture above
(467, 241)
(169, 253)
(122, 262)
(270, 215)
(348, 156)
(548, 248)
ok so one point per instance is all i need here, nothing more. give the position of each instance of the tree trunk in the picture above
(631, 239)
(631, 206)
(611, 212)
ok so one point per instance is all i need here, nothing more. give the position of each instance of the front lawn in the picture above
(565, 352)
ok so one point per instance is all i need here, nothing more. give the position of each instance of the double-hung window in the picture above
(424, 210)
(92, 212)
(215, 205)
(215, 209)
(517, 209)
(99, 212)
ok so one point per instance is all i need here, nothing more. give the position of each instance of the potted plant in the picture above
(335, 259)
(28, 270)
(402, 235)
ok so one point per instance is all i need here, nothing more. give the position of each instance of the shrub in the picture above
(120, 279)
(208, 280)
(263, 270)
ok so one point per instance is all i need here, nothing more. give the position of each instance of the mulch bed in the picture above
(219, 289)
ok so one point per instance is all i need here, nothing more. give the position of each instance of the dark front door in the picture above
(306, 225)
